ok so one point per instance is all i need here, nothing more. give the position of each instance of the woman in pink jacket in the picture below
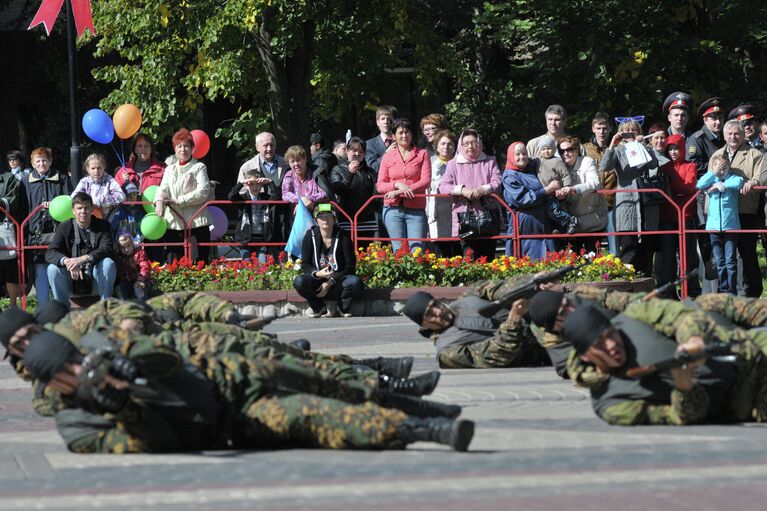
(405, 172)
(470, 176)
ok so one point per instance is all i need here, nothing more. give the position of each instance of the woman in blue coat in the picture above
(525, 194)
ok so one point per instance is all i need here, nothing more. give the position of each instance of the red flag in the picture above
(49, 11)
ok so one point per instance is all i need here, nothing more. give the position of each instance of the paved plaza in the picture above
(538, 446)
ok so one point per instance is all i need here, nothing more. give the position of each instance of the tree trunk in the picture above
(290, 91)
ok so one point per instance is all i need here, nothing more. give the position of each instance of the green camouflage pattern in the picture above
(744, 312)
(504, 349)
(616, 301)
(195, 306)
(685, 408)
(263, 404)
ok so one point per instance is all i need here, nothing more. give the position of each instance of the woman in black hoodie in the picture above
(328, 263)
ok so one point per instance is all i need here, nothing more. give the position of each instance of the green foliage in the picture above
(615, 56)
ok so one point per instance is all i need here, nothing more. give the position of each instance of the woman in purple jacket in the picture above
(298, 184)
(470, 176)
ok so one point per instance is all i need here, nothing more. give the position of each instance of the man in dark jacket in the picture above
(79, 253)
(354, 182)
(322, 163)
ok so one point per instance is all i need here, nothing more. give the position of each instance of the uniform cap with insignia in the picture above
(677, 100)
(743, 113)
(712, 106)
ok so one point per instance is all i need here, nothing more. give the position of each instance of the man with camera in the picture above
(79, 253)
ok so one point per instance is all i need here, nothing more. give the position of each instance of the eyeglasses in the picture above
(639, 119)
(567, 149)
(429, 128)
(12, 158)
(469, 143)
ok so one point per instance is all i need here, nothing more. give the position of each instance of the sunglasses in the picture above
(639, 119)
(566, 149)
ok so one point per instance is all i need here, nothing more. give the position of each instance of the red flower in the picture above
(282, 257)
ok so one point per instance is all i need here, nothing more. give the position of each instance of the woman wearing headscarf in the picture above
(525, 194)
(470, 176)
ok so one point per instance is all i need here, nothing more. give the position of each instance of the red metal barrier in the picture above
(21, 246)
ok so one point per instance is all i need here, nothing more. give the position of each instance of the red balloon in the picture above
(201, 144)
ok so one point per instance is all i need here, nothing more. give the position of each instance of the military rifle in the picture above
(96, 366)
(527, 288)
(718, 349)
(659, 291)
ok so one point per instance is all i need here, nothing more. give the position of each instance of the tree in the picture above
(518, 56)
(281, 64)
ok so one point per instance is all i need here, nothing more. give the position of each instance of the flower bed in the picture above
(380, 268)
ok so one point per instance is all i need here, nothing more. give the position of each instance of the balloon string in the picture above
(122, 152)
(121, 160)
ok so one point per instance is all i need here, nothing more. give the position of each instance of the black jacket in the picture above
(100, 241)
(252, 218)
(354, 190)
(342, 258)
(321, 165)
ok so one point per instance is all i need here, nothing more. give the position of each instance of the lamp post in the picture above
(74, 126)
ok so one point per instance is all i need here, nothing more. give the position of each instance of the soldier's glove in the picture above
(94, 392)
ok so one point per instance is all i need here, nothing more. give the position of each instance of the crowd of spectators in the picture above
(554, 183)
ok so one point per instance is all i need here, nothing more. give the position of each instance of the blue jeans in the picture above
(104, 273)
(612, 241)
(724, 247)
(404, 222)
(246, 251)
(42, 290)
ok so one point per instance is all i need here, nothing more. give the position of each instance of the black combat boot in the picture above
(421, 385)
(396, 367)
(455, 433)
(418, 407)
(301, 344)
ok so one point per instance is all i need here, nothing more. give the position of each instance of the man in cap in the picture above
(465, 338)
(711, 391)
(700, 147)
(749, 163)
(152, 400)
(746, 116)
(677, 108)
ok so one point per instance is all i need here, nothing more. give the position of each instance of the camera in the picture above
(87, 269)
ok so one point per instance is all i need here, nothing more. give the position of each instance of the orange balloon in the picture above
(127, 120)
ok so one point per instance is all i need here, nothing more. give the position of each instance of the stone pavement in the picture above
(538, 446)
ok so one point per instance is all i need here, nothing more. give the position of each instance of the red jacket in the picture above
(682, 177)
(151, 176)
(133, 268)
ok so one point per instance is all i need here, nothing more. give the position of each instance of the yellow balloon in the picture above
(127, 120)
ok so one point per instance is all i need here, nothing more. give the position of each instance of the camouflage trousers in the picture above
(749, 401)
(484, 354)
(208, 339)
(273, 405)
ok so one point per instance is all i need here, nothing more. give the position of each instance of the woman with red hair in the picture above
(527, 196)
(184, 187)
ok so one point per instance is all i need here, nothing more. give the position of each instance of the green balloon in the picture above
(148, 196)
(60, 208)
(153, 227)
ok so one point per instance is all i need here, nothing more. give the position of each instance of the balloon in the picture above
(60, 208)
(98, 126)
(149, 195)
(220, 223)
(201, 144)
(127, 120)
(153, 227)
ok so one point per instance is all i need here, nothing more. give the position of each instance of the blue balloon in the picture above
(98, 126)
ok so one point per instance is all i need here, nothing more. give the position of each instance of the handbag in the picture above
(475, 223)
(42, 235)
(658, 181)
(7, 239)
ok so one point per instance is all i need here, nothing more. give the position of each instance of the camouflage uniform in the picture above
(476, 341)
(723, 392)
(195, 306)
(232, 402)
(744, 312)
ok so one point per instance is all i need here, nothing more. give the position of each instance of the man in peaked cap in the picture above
(746, 114)
(677, 107)
(700, 147)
